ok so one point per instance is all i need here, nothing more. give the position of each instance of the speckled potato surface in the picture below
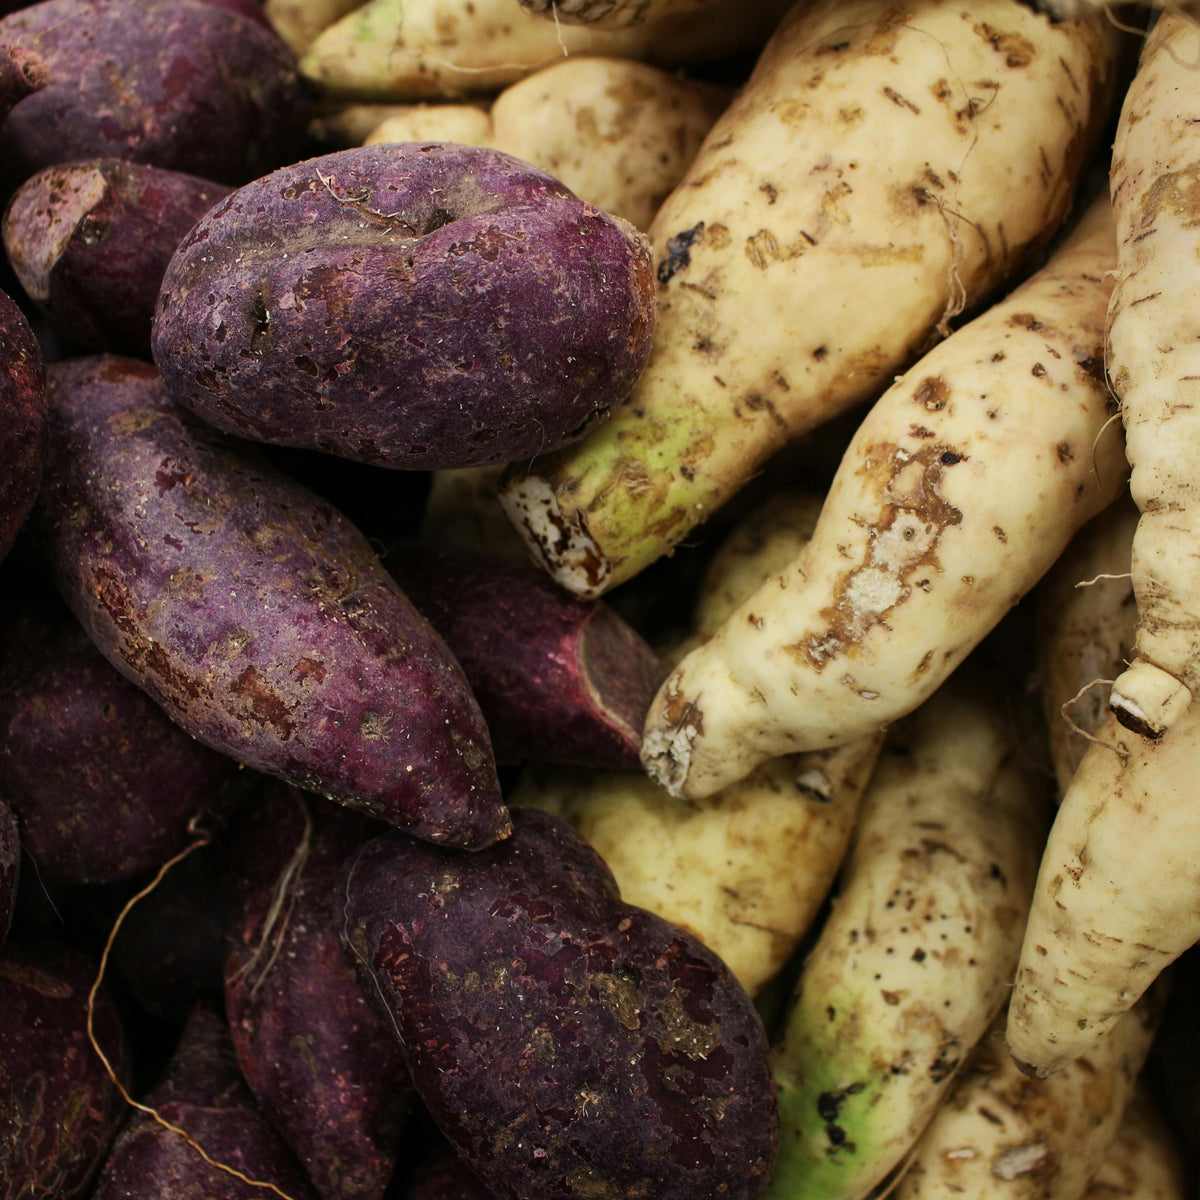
(182, 84)
(253, 611)
(566, 1043)
(412, 305)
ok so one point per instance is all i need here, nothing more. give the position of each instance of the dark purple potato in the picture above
(325, 1066)
(10, 868)
(201, 1092)
(162, 969)
(181, 84)
(22, 420)
(559, 678)
(21, 73)
(90, 240)
(409, 305)
(104, 784)
(59, 1109)
(253, 612)
(566, 1043)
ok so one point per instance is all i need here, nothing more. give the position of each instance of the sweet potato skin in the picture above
(201, 1092)
(22, 420)
(20, 73)
(324, 1065)
(90, 240)
(566, 1044)
(413, 305)
(59, 1110)
(182, 84)
(559, 678)
(254, 612)
(104, 784)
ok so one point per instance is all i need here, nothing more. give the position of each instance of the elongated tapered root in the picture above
(1154, 365)
(884, 167)
(959, 490)
(1118, 893)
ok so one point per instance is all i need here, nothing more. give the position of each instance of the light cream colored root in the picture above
(202, 839)
(1103, 575)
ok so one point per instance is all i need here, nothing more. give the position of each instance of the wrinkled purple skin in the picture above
(566, 1043)
(103, 783)
(414, 305)
(559, 678)
(22, 420)
(10, 868)
(201, 1092)
(253, 612)
(181, 84)
(90, 240)
(21, 73)
(59, 1110)
(325, 1066)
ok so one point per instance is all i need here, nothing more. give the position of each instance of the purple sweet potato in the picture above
(559, 678)
(10, 867)
(59, 1109)
(412, 305)
(566, 1043)
(325, 1066)
(103, 783)
(90, 240)
(253, 612)
(181, 84)
(22, 420)
(21, 73)
(202, 1093)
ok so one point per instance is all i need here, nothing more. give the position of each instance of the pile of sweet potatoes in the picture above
(387, 529)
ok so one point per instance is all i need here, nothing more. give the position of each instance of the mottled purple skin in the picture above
(22, 420)
(103, 782)
(253, 612)
(21, 73)
(90, 241)
(559, 678)
(181, 84)
(416, 305)
(567, 1044)
(59, 1110)
(10, 868)
(325, 1066)
(202, 1092)
(442, 1175)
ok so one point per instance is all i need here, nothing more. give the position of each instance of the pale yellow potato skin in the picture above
(1118, 892)
(300, 22)
(619, 133)
(406, 50)
(616, 13)
(1154, 363)
(962, 485)
(1086, 621)
(882, 168)
(917, 954)
(1000, 1133)
(748, 869)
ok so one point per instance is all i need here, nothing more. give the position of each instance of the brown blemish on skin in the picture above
(903, 539)
(1018, 50)
(1176, 194)
(265, 706)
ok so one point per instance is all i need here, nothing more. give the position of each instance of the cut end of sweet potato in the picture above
(1148, 700)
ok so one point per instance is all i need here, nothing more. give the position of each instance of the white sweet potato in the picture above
(1154, 364)
(961, 487)
(882, 169)
(619, 133)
